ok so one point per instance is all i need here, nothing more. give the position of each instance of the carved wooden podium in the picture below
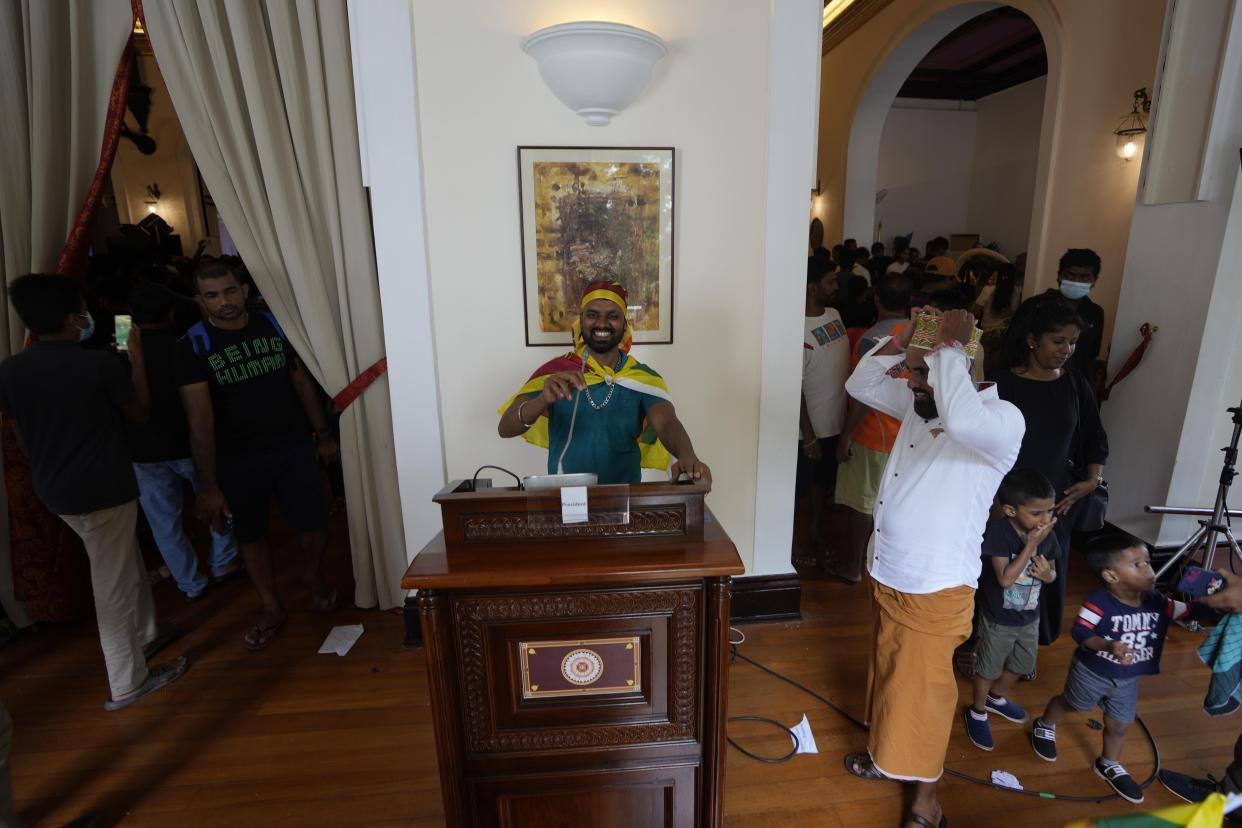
(578, 672)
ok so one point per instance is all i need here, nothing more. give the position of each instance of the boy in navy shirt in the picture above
(1018, 549)
(1120, 633)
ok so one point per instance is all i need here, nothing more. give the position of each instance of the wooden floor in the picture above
(289, 737)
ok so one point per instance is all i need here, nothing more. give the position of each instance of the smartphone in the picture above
(124, 322)
(1200, 582)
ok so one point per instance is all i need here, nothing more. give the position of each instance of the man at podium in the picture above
(597, 409)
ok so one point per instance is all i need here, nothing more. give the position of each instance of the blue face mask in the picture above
(1074, 290)
(89, 331)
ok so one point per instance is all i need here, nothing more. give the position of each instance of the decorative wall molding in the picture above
(851, 20)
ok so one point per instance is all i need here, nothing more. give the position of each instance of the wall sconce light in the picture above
(596, 69)
(1132, 130)
(153, 198)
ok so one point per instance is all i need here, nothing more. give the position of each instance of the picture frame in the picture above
(590, 213)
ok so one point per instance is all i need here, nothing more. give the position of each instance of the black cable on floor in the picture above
(771, 760)
(734, 654)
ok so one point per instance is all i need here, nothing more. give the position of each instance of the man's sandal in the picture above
(325, 601)
(925, 822)
(861, 765)
(258, 637)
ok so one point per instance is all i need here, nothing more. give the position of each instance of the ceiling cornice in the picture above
(850, 20)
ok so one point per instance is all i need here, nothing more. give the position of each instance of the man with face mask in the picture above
(597, 409)
(955, 443)
(67, 405)
(1077, 273)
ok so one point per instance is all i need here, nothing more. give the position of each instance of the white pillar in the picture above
(793, 121)
(382, 41)
(1166, 422)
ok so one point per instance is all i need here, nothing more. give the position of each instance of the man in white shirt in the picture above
(955, 444)
(825, 366)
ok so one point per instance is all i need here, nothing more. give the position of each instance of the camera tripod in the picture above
(1217, 524)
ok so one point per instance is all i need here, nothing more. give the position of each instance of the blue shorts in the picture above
(1085, 690)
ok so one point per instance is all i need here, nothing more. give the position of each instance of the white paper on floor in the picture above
(341, 639)
(1006, 780)
(806, 739)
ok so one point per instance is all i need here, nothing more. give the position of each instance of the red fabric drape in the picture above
(361, 383)
(50, 570)
(1146, 331)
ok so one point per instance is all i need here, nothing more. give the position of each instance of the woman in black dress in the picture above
(1064, 439)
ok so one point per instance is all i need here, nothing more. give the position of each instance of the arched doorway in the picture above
(909, 48)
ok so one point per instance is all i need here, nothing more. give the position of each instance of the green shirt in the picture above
(604, 441)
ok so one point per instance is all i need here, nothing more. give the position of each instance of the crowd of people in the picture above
(926, 381)
(202, 392)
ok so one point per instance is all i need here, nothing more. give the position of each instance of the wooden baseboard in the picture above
(413, 624)
(767, 598)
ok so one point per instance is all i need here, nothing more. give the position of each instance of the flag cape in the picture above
(633, 375)
(1206, 814)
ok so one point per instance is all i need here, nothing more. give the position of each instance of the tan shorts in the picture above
(858, 479)
(911, 689)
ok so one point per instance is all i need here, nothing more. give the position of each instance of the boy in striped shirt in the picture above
(1120, 632)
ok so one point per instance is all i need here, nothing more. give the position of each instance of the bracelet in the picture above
(519, 414)
(809, 443)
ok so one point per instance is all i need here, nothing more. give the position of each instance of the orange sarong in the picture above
(911, 689)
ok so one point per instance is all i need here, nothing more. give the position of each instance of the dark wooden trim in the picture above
(413, 624)
(850, 21)
(767, 598)
(716, 698)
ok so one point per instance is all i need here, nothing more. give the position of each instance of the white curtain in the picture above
(57, 62)
(264, 94)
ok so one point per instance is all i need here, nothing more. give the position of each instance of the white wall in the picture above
(1002, 175)
(925, 165)
(1166, 422)
(480, 97)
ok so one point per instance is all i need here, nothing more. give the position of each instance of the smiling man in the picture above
(251, 407)
(597, 409)
(955, 443)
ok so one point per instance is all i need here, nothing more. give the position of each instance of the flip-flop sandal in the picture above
(259, 637)
(165, 634)
(325, 602)
(157, 677)
(925, 822)
(830, 570)
(860, 765)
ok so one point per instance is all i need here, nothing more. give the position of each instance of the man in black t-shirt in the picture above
(67, 404)
(251, 406)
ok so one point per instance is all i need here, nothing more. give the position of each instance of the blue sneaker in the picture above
(1006, 709)
(978, 729)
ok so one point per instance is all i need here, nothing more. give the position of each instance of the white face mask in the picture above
(89, 331)
(1074, 290)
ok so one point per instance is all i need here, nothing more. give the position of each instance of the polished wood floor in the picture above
(289, 737)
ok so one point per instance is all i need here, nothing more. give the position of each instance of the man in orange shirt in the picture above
(868, 437)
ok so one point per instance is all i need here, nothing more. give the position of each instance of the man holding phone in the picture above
(67, 405)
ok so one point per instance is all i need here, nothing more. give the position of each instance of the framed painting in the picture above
(593, 213)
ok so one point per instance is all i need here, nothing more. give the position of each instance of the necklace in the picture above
(607, 381)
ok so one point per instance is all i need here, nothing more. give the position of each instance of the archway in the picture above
(909, 47)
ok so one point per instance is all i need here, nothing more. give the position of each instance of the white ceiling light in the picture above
(596, 69)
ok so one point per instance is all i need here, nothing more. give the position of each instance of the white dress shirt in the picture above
(942, 475)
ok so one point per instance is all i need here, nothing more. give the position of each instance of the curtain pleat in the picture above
(264, 94)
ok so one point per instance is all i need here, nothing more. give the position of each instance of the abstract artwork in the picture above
(593, 213)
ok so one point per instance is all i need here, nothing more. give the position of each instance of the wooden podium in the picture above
(578, 672)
